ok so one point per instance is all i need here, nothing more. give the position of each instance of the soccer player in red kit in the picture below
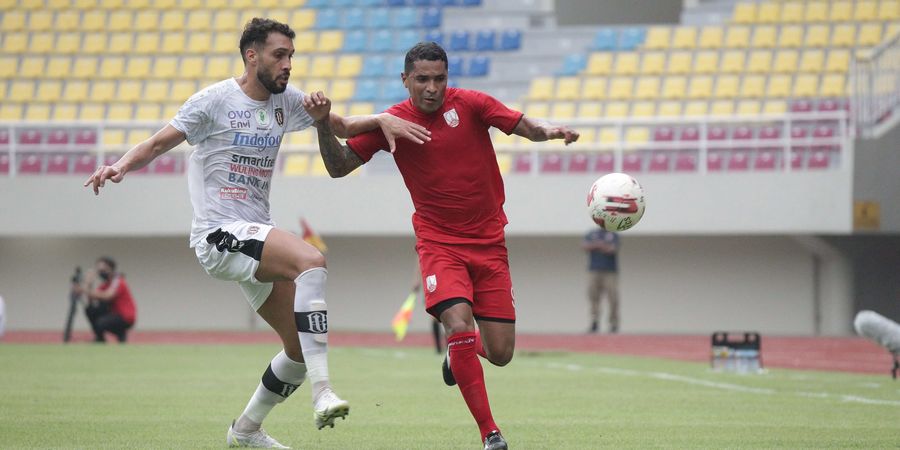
(457, 191)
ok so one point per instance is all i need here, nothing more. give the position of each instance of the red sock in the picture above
(470, 377)
(479, 346)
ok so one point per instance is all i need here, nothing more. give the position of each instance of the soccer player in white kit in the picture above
(237, 127)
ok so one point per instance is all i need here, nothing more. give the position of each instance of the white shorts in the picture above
(232, 253)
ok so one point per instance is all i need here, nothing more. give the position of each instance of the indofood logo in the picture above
(258, 141)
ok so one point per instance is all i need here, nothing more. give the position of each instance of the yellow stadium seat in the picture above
(779, 86)
(791, 36)
(838, 61)
(834, 85)
(637, 135)
(94, 43)
(711, 37)
(361, 109)
(674, 88)
(679, 62)
(537, 109)
(41, 43)
(792, 12)
(733, 61)
(120, 111)
(647, 88)
(590, 110)
(102, 91)
(9, 68)
(562, 110)
(653, 63)
(587, 134)
(84, 67)
(40, 20)
(869, 35)
(299, 66)
(172, 43)
(67, 21)
(183, 89)
(753, 86)
(274, 11)
(112, 67)
(113, 137)
(643, 109)
(199, 20)
(318, 167)
(706, 62)
(303, 19)
(616, 109)
(760, 61)
(621, 88)
(13, 21)
(342, 90)
(806, 85)
(764, 36)
(568, 88)
(156, 91)
(227, 21)
(172, 20)
(812, 61)
(191, 67)
(843, 35)
(775, 107)
(165, 67)
(148, 111)
(594, 88)
(38, 112)
(841, 11)
(323, 66)
(737, 37)
(669, 109)
(889, 10)
(722, 108)
(32, 67)
(225, 43)
(138, 67)
(785, 61)
(219, 66)
(93, 20)
(599, 63)
(305, 42)
(129, 91)
(541, 88)
(330, 41)
(816, 11)
(64, 111)
(147, 43)
(744, 13)
(120, 43)
(75, 91)
(700, 87)
(68, 43)
(137, 4)
(199, 42)
(865, 10)
(49, 91)
(684, 37)
(726, 86)
(503, 140)
(626, 63)
(21, 91)
(10, 111)
(147, 20)
(296, 164)
(92, 111)
(349, 66)
(120, 20)
(167, 4)
(892, 29)
(768, 12)
(658, 38)
(608, 135)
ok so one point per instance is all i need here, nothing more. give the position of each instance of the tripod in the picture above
(74, 300)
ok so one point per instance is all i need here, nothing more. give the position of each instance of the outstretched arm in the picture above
(339, 159)
(139, 156)
(393, 128)
(538, 131)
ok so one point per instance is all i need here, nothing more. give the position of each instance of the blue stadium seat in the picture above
(366, 91)
(431, 18)
(405, 18)
(396, 3)
(354, 19)
(393, 91)
(454, 66)
(317, 3)
(479, 66)
(631, 38)
(511, 40)
(373, 67)
(573, 64)
(605, 39)
(435, 36)
(382, 41)
(471, 2)
(379, 18)
(452, 83)
(383, 106)
(396, 66)
(327, 19)
(484, 40)
(342, 3)
(459, 40)
(369, 3)
(448, 2)
(355, 41)
(423, 2)
(405, 40)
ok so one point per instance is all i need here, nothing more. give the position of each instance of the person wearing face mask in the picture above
(110, 303)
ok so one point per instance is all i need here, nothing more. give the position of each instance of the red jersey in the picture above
(454, 179)
(122, 302)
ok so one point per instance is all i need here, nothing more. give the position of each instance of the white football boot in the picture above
(256, 439)
(329, 407)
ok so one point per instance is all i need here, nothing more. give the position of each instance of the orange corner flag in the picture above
(309, 235)
(401, 319)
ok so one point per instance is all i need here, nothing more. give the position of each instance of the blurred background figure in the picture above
(110, 305)
(602, 247)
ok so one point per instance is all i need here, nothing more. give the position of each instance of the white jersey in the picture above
(237, 140)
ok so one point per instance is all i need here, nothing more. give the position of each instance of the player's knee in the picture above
(501, 358)
(457, 325)
(309, 260)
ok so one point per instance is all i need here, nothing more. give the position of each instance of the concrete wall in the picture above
(876, 178)
(617, 12)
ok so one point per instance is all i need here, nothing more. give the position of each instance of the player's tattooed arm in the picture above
(538, 131)
(339, 159)
(391, 126)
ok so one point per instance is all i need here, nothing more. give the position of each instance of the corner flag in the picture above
(309, 235)
(401, 319)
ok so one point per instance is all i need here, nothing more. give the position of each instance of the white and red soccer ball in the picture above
(616, 202)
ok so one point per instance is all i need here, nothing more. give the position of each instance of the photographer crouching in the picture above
(110, 306)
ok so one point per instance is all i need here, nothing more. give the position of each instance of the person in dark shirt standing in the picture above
(602, 247)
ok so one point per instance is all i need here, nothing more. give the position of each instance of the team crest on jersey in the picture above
(431, 283)
(279, 116)
(262, 116)
(452, 118)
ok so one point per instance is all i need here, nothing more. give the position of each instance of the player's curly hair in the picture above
(424, 51)
(257, 31)
(108, 261)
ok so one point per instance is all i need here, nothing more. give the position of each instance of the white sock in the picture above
(279, 381)
(311, 314)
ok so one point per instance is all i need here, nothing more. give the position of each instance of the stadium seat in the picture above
(626, 63)
(605, 39)
(659, 162)
(330, 41)
(578, 163)
(658, 38)
(604, 162)
(590, 110)
(785, 61)
(711, 37)
(455, 66)
(485, 40)
(31, 138)
(766, 159)
(806, 85)
(84, 164)
(838, 61)
(621, 88)
(568, 88)
(705, 62)
(329, 19)
(737, 37)
(696, 108)
(30, 164)
(355, 41)
(510, 40)
(632, 161)
(669, 109)
(833, 85)
(432, 18)
(674, 88)
(818, 159)
(522, 164)
(768, 12)
(753, 86)
(686, 161)
(779, 86)
(382, 41)
(459, 41)
(573, 64)
(817, 36)
(733, 61)
(760, 61)
(869, 35)
(684, 37)
(65, 112)
(551, 163)
(714, 160)
(889, 10)
(811, 61)
(165, 164)
(599, 64)
(647, 88)
(653, 63)
(722, 108)
(57, 164)
(843, 35)
(405, 40)
(764, 37)
(700, 87)
(739, 160)
(85, 138)
(49, 91)
(744, 12)
(354, 19)
(594, 88)
(841, 11)
(792, 12)
(791, 36)
(58, 138)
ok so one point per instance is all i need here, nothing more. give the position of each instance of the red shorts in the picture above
(477, 273)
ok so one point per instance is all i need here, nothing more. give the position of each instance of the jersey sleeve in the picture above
(193, 118)
(495, 113)
(297, 118)
(367, 144)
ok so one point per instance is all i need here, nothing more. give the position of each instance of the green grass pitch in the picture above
(185, 396)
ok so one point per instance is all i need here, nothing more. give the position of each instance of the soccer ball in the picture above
(616, 202)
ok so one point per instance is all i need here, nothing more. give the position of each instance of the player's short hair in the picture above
(424, 51)
(108, 261)
(257, 31)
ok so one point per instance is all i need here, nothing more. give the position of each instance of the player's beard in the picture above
(269, 81)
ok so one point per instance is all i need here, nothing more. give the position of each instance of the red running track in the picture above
(845, 354)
